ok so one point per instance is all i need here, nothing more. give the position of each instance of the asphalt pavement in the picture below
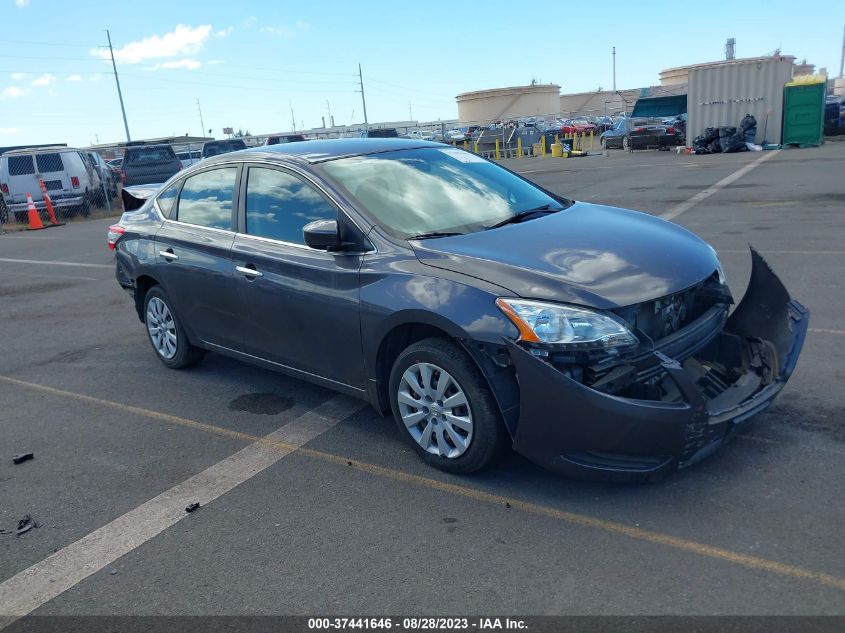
(354, 523)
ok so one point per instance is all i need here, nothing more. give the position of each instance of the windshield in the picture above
(431, 190)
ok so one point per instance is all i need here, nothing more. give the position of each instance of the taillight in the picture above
(670, 130)
(74, 182)
(638, 129)
(115, 231)
(4, 188)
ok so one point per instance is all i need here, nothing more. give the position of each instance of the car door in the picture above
(300, 306)
(193, 254)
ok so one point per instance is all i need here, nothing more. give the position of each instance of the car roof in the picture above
(40, 150)
(319, 151)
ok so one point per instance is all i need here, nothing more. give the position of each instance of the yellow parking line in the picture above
(612, 527)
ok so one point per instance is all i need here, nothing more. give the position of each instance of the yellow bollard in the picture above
(557, 140)
(475, 147)
(519, 147)
(591, 139)
(498, 156)
(466, 145)
(543, 146)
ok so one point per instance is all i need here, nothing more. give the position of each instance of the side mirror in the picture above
(322, 234)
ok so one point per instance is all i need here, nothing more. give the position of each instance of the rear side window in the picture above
(49, 162)
(278, 205)
(21, 165)
(166, 198)
(206, 198)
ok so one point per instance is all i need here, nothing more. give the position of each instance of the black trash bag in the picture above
(710, 134)
(699, 143)
(714, 147)
(735, 143)
(748, 126)
(724, 134)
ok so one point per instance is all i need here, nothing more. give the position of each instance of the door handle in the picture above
(169, 255)
(249, 272)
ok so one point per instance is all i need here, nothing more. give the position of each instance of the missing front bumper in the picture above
(569, 427)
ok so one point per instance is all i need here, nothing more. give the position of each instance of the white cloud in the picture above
(74, 78)
(13, 92)
(22, 4)
(287, 31)
(44, 80)
(281, 31)
(9, 130)
(225, 32)
(183, 40)
(18, 76)
(186, 64)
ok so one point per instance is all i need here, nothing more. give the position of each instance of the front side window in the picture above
(418, 191)
(279, 204)
(206, 198)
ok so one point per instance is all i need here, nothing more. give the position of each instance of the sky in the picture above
(251, 63)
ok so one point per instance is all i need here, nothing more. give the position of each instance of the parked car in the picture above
(116, 163)
(188, 158)
(456, 134)
(147, 164)
(479, 308)
(382, 132)
(109, 177)
(215, 148)
(284, 138)
(631, 134)
(69, 177)
(421, 135)
(603, 124)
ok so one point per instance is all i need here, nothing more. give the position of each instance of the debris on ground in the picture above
(25, 525)
(727, 139)
(193, 507)
(20, 458)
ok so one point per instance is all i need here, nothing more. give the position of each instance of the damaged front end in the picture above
(696, 375)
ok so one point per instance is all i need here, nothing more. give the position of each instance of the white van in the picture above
(70, 179)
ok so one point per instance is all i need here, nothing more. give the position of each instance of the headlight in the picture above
(567, 326)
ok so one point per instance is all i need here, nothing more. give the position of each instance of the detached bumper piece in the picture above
(572, 428)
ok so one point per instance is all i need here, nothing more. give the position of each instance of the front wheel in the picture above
(625, 143)
(443, 406)
(166, 335)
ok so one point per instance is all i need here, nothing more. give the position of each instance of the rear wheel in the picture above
(166, 335)
(444, 407)
(625, 143)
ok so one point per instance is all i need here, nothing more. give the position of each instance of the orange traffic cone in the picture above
(32, 213)
(49, 204)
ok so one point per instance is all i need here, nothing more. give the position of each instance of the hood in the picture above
(591, 255)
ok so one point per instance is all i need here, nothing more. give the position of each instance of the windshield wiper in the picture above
(546, 208)
(425, 236)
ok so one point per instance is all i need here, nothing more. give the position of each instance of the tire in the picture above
(442, 443)
(84, 209)
(172, 348)
(625, 146)
(603, 142)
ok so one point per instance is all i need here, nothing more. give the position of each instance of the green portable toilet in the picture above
(803, 110)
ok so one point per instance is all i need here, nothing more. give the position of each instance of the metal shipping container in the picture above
(725, 92)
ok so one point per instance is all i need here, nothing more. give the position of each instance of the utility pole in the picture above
(614, 69)
(329, 106)
(363, 100)
(117, 81)
(292, 119)
(842, 59)
(202, 123)
(410, 112)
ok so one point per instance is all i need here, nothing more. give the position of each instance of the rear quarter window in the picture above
(49, 162)
(21, 165)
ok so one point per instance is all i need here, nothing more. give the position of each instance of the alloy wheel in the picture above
(435, 410)
(162, 328)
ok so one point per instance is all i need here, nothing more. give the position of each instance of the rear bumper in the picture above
(569, 427)
(58, 202)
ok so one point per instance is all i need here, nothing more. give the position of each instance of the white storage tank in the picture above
(721, 94)
(485, 106)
